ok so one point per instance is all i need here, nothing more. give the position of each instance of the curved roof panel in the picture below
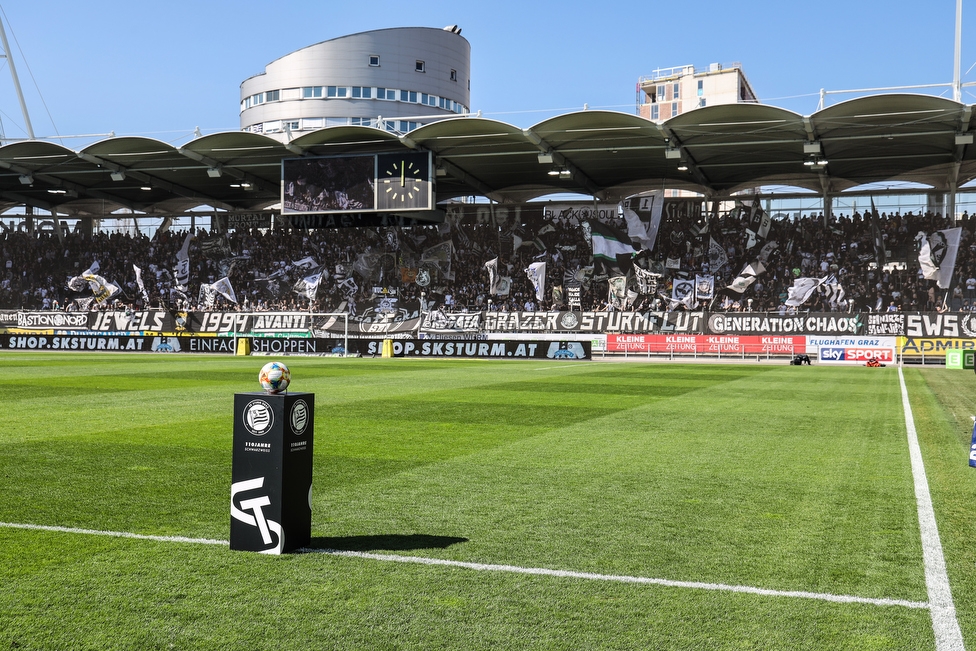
(714, 150)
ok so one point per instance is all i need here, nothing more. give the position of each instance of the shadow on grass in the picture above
(388, 542)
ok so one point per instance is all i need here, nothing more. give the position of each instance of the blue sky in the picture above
(163, 68)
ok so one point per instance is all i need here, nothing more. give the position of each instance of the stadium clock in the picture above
(403, 181)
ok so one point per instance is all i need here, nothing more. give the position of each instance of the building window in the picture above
(272, 95)
(311, 91)
(374, 60)
(453, 75)
(674, 109)
(404, 95)
(655, 112)
(701, 101)
(258, 99)
(701, 87)
(421, 66)
(361, 122)
(361, 91)
(676, 91)
(660, 93)
(291, 125)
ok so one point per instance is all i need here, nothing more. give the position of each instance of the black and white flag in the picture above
(937, 255)
(141, 286)
(182, 268)
(704, 287)
(747, 276)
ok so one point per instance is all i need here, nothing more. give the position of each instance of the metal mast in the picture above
(956, 76)
(13, 73)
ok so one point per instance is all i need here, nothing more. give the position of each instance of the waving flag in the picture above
(537, 276)
(183, 262)
(747, 276)
(802, 290)
(610, 246)
(937, 255)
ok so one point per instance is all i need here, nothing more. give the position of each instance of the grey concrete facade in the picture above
(421, 73)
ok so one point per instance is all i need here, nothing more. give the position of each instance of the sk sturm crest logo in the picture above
(568, 320)
(423, 278)
(299, 417)
(258, 417)
(968, 325)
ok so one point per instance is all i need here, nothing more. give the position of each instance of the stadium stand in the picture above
(264, 266)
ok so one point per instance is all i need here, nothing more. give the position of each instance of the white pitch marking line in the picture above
(948, 637)
(485, 567)
(541, 571)
(114, 534)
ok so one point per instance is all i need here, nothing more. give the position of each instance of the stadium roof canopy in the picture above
(715, 150)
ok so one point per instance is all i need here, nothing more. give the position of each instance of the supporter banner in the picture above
(243, 323)
(50, 320)
(400, 323)
(940, 325)
(707, 344)
(926, 347)
(884, 323)
(438, 322)
(854, 350)
(593, 321)
(497, 215)
(362, 220)
(238, 220)
(812, 324)
(513, 349)
(405, 320)
(138, 321)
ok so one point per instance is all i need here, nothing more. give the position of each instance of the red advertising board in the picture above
(708, 344)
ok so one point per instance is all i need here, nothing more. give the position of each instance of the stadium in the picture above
(554, 374)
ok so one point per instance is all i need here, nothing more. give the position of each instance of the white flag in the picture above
(537, 276)
(717, 257)
(223, 287)
(493, 278)
(802, 289)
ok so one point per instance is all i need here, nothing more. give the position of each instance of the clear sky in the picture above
(163, 68)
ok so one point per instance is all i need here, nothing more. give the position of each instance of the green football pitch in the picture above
(492, 505)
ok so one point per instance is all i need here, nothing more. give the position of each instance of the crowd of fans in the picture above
(359, 264)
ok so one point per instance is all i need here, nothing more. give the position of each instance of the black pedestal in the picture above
(271, 489)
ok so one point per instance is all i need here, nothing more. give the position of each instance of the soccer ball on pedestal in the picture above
(274, 377)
